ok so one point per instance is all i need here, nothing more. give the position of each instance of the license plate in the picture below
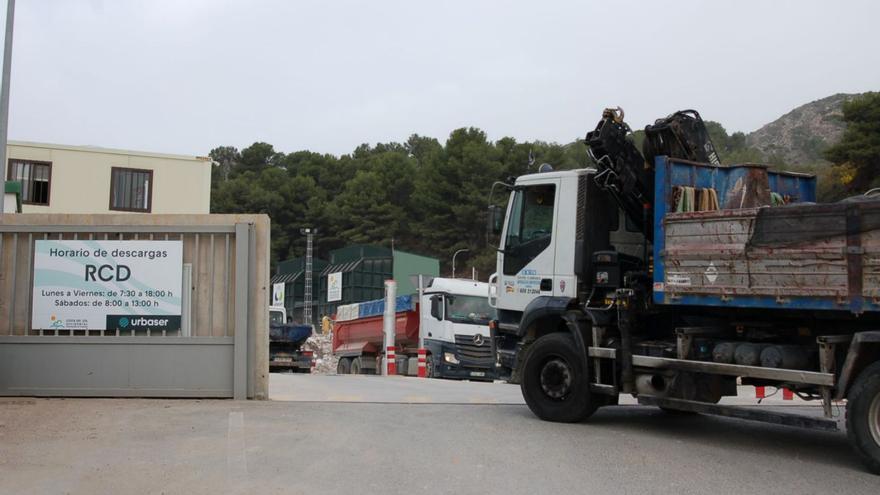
(284, 360)
(478, 373)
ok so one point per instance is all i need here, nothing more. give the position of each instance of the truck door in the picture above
(527, 259)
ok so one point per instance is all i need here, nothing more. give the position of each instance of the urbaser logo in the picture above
(143, 322)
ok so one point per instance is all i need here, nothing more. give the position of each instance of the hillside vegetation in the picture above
(430, 197)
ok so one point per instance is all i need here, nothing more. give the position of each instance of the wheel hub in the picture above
(556, 378)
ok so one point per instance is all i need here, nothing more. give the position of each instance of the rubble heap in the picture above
(322, 347)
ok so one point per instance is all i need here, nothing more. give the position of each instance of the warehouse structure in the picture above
(353, 274)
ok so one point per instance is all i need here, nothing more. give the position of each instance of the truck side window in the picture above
(530, 226)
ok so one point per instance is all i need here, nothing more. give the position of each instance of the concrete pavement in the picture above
(183, 446)
(388, 389)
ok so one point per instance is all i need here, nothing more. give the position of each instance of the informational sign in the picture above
(334, 287)
(278, 294)
(107, 285)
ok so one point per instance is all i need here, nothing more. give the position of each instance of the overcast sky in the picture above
(184, 76)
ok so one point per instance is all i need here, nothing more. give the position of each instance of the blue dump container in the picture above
(293, 334)
(768, 245)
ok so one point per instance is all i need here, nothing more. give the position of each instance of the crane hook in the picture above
(615, 114)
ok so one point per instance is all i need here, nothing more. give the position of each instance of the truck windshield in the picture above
(469, 309)
(276, 318)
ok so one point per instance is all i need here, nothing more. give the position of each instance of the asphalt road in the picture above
(185, 446)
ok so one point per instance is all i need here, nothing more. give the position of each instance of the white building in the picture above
(83, 179)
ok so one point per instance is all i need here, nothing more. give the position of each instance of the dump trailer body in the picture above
(359, 327)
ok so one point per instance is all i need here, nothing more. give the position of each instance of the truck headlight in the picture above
(449, 357)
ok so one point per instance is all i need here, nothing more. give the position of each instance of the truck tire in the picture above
(356, 366)
(555, 381)
(863, 416)
(343, 367)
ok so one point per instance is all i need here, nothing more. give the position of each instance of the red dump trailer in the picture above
(358, 337)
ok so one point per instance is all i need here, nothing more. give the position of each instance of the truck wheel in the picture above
(343, 367)
(555, 383)
(356, 366)
(863, 416)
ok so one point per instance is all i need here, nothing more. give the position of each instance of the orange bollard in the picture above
(391, 358)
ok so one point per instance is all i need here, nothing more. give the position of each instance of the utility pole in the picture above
(4, 97)
(307, 295)
(388, 320)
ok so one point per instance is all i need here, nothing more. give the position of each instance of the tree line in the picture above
(420, 195)
(430, 197)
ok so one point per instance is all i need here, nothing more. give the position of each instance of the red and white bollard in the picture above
(423, 363)
(391, 358)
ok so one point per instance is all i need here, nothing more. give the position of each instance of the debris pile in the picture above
(322, 347)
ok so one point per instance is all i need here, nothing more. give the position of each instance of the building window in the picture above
(131, 189)
(34, 178)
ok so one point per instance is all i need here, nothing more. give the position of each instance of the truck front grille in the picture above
(468, 350)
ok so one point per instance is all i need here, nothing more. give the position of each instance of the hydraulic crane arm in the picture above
(623, 172)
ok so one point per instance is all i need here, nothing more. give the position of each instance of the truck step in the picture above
(601, 388)
(740, 412)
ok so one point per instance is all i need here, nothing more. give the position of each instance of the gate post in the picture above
(240, 352)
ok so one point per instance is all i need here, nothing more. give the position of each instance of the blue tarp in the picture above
(377, 307)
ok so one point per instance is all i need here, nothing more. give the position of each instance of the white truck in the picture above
(454, 329)
(739, 277)
(449, 319)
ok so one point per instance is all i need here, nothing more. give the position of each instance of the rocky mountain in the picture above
(800, 136)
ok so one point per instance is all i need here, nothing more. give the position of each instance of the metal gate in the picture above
(219, 351)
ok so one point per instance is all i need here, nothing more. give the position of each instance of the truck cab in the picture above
(277, 315)
(545, 251)
(454, 319)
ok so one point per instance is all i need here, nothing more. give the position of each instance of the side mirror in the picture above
(436, 310)
(495, 219)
